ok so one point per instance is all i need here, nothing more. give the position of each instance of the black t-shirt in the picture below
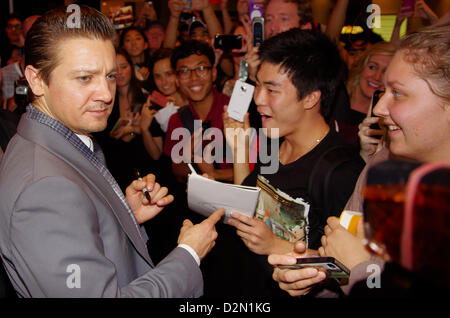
(231, 269)
(292, 179)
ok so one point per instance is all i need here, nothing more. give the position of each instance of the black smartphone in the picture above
(332, 267)
(21, 94)
(375, 98)
(227, 42)
(258, 30)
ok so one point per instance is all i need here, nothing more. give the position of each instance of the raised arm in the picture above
(212, 22)
(337, 20)
(238, 137)
(147, 12)
(226, 18)
(175, 8)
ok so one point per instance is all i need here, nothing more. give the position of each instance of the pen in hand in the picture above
(145, 190)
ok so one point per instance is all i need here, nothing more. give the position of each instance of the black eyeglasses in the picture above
(201, 71)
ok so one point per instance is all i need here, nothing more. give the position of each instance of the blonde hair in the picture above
(428, 51)
(380, 48)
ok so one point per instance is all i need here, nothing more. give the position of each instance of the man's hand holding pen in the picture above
(142, 209)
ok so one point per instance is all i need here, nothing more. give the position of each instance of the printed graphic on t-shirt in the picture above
(287, 217)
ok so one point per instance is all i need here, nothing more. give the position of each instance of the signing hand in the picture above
(142, 209)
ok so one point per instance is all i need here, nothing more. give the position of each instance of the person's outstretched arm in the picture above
(226, 18)
(337, 20)
(175, 8)
(212, 22)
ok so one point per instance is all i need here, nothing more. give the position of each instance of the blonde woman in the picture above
(365, 78)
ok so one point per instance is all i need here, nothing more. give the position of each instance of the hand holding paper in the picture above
(205, 196)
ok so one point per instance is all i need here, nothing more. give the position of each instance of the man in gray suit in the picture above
(66, 229)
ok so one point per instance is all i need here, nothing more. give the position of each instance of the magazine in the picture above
(286, 216)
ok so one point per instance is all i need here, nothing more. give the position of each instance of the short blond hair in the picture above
(428, 51)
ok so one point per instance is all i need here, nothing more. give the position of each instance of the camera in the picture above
(258, 30)
(21, 92)
(228, 42)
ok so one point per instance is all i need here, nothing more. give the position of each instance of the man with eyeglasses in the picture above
(193, 62)
(13, 30)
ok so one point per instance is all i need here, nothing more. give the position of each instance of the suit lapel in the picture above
(62, 148)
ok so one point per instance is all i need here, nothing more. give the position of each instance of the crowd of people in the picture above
(90, 122)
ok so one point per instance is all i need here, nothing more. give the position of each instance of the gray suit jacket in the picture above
(64, 232)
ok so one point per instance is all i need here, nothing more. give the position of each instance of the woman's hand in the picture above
(369, 143)
(342, 245)
(175, 8)
(145, 72)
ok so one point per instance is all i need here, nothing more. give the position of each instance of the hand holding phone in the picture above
(256, 13)
(258, 31)
(158, 99)
(240, 100)
(375, 98)
(332, 267)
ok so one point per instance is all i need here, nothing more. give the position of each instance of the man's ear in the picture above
(36, 83)
(312, 99)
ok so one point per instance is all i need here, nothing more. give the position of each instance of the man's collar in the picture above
(39, 116)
